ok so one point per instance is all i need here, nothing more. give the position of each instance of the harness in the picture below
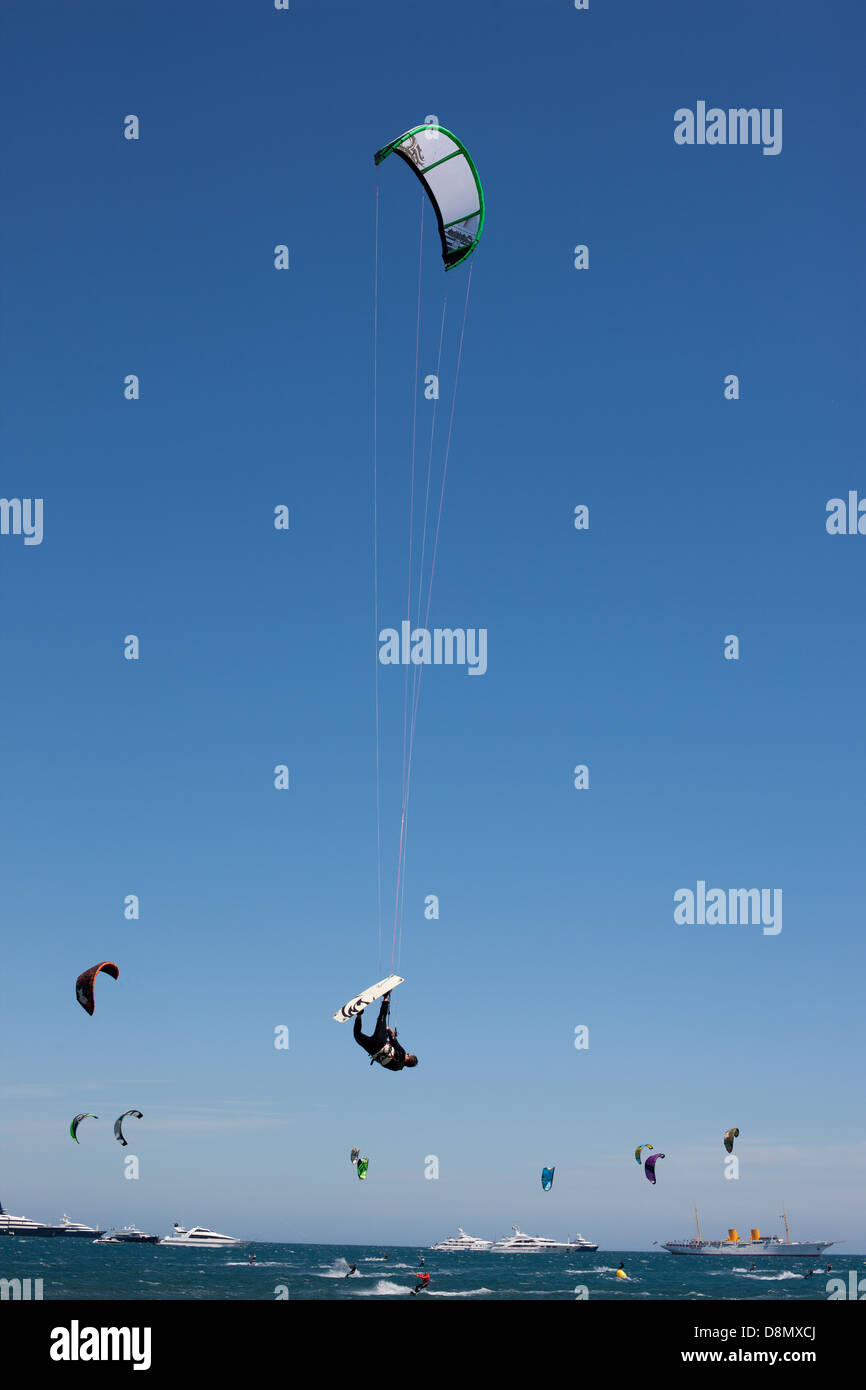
(385, 1055)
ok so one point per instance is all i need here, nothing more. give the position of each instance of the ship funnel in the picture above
(733, 1236)
(756, 1234)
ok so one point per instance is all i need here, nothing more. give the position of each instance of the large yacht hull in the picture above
(751, 1250)
(44, 1232)
(30, 1233)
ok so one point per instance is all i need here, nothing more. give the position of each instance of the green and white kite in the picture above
(451, 181)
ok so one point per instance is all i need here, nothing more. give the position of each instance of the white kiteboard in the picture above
(359, 1003)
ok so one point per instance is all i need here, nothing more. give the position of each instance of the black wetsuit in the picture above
(379, 1038)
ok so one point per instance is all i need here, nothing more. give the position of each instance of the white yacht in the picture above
(520, 1242)
(77, 1228)
(127, 1235)
(23, 1226)
(580, 1242)
(462, 1242)
(200, 1237)
(20, 1225)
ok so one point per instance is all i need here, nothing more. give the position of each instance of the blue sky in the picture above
(602, 387)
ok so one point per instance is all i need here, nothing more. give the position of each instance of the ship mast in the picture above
(785, 1219)
(698, 1221)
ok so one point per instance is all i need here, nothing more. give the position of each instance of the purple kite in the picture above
(650, 1166)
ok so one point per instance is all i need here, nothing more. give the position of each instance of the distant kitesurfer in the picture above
(808, 1274)
(752, 1268)
(423, 1281)
(382, 1045)
(352, 1270)
(252, 1259)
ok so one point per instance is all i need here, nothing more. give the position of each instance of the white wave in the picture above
(392, 1264)
(255, 1264)
(460, 1293)
(754, 1274)
(338, 1270)
(383, 1288)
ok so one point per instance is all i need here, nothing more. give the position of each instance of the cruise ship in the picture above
(200, 1237)
(756, 1247)
(462, 1242)
(520, 1242)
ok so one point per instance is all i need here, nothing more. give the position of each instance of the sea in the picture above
(85, 1270)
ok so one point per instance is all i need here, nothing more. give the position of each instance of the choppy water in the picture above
(79, 1269)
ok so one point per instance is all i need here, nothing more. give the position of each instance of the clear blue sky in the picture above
(601, 387)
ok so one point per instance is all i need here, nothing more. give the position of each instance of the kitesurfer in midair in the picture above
(382, 1045)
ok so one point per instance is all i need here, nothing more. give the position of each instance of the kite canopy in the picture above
(451, 180)
(730, 1136)
(650, 1166)
(118, 1131)
(85, 982)
(73, 1128)
(363, 1165)
(637, 1151)
(547, 1178)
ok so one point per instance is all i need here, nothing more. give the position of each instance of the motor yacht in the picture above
(200, 1237)
(23, 1226)
(580, 1242)
(520, 1243)
(77, 1228)
(127, 1235)
(462, 1242)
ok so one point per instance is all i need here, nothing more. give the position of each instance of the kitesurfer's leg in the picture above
(362, 1039)
(379, 1036)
